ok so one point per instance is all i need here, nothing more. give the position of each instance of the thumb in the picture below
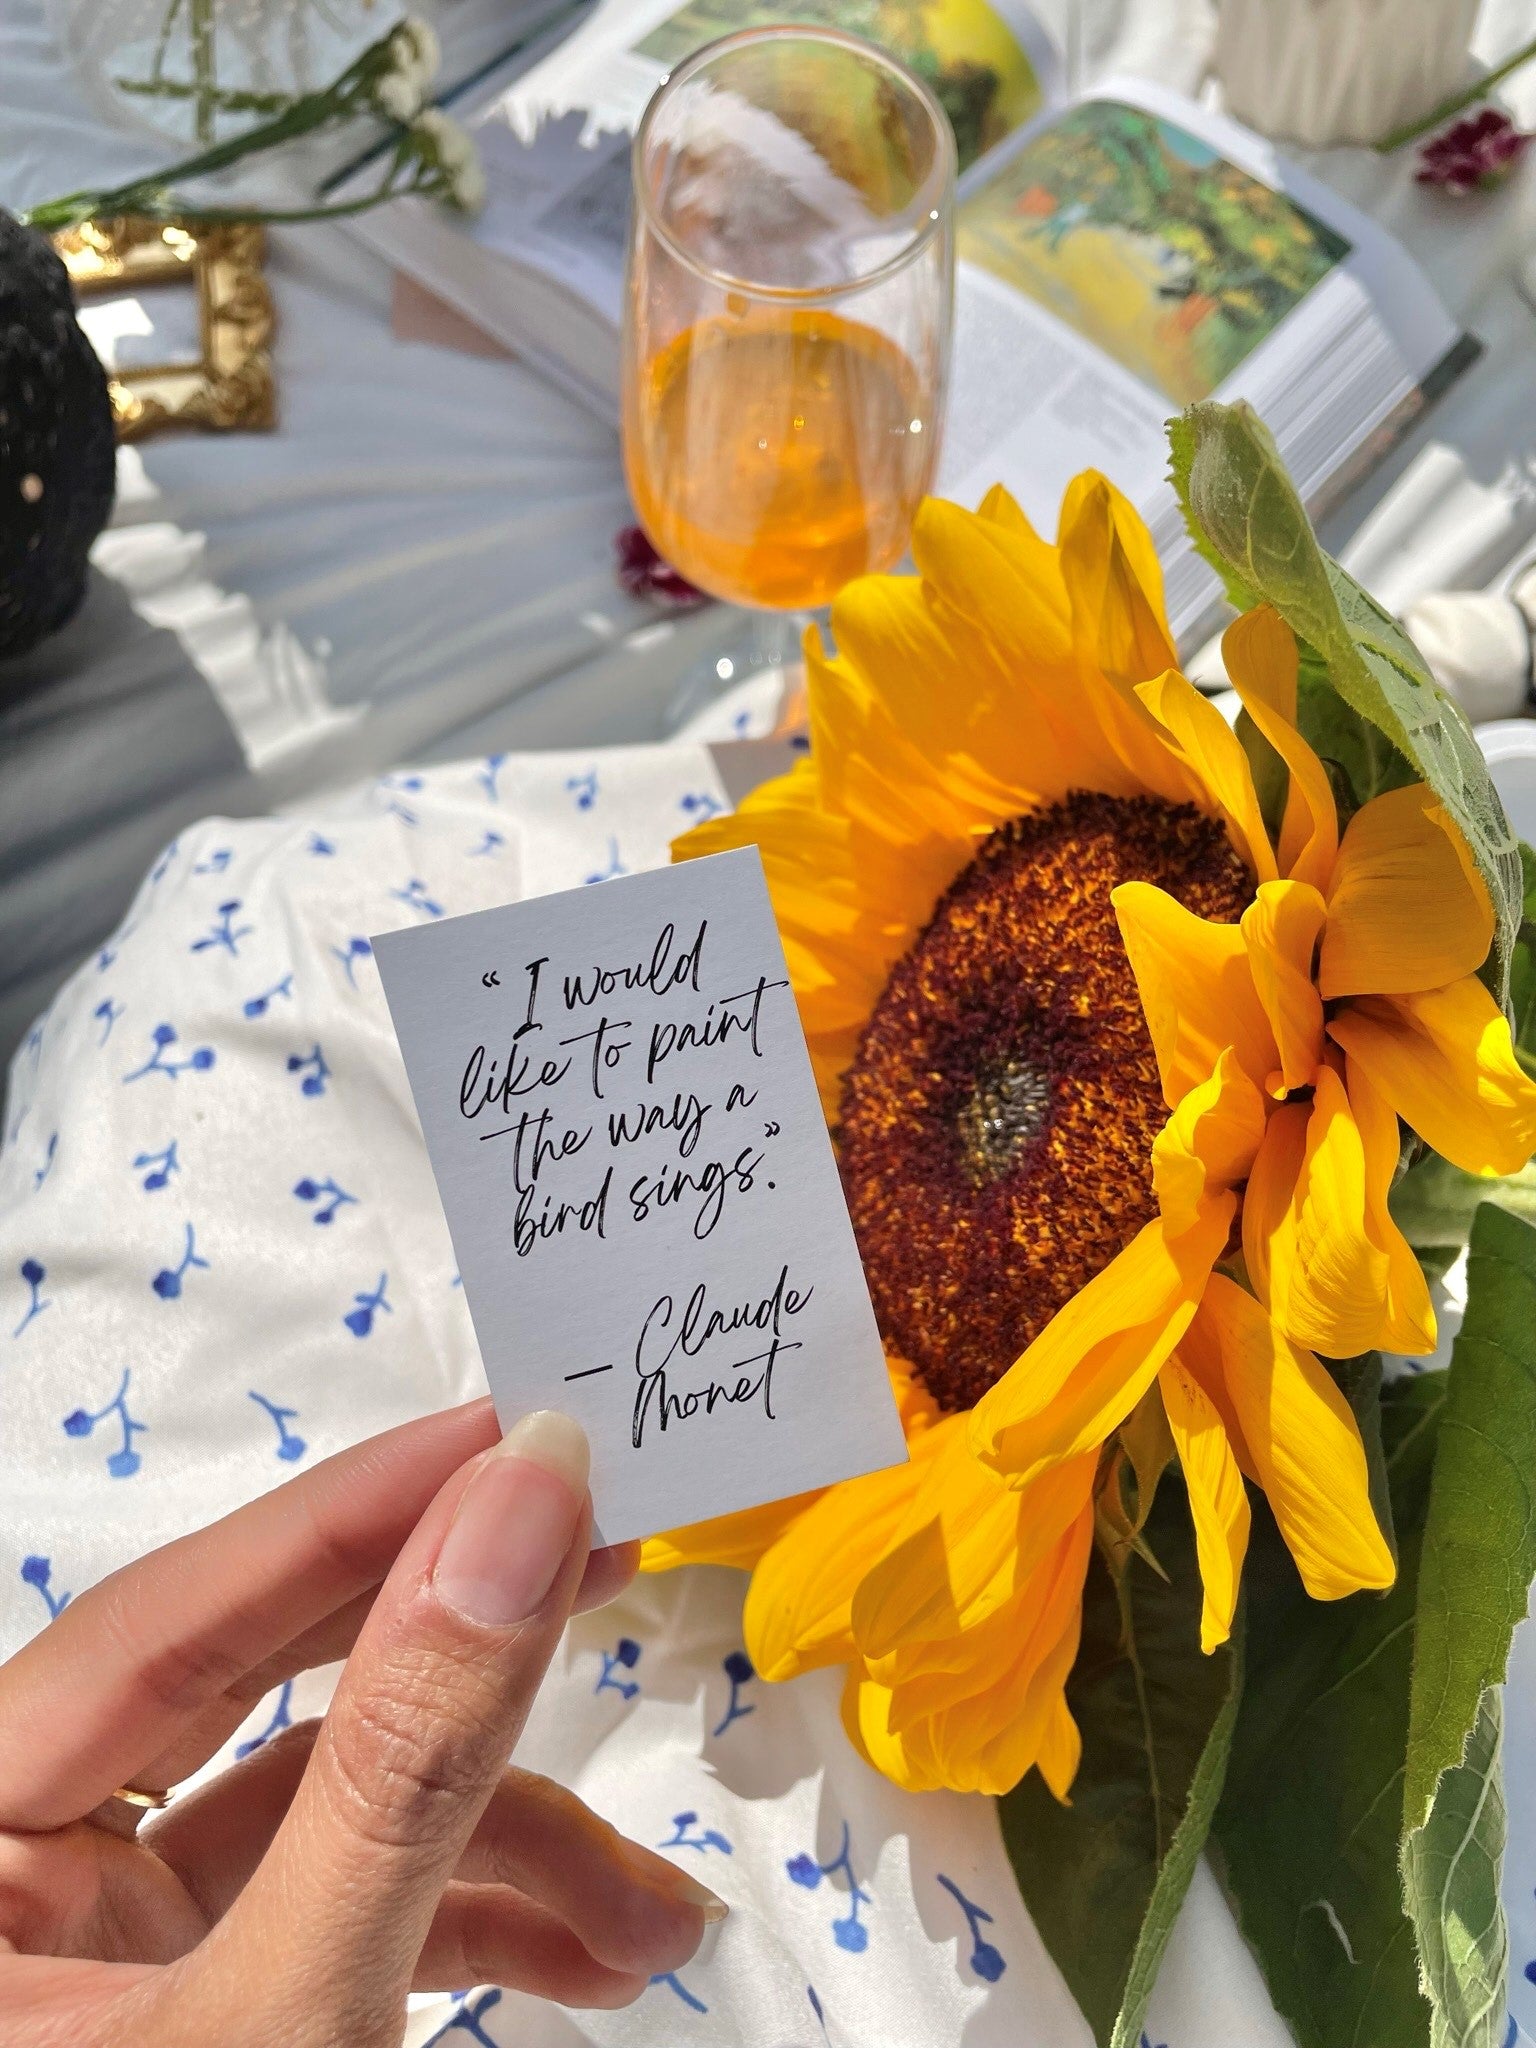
(431, 1702)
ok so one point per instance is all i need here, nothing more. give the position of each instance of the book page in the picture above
(555, 143)
(990, 63)
(1134, 255)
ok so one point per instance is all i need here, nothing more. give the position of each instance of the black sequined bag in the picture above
(57, 462)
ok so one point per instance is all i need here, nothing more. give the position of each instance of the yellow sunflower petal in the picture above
(1263, 663)
(1444, 1061)
(1096, 1357)
(981, 1728)
(1312, 1260)
(1259, 650)
(1218, 1503)
(1006, 584)
(1409, 1322)
(1121, 638)
(738, 1539)
(1003, 509)
(965, 1545)
(949, 690)
(1303, 1439)
(1272, 1188)
(1208, 1143)
(1005, 1650)
(797, 1612)
(989, 1743)
(1061, 1751)
(1407, 908)
(867, 1723)
(1213, 750)
(1280, 929)
(1196, 989)
(1000, 574)
(1114, 582)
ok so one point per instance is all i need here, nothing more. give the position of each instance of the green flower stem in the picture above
(1467, 97)
(163, 46)
(299, 117)
(156, 201)
(227, 100)
(203, 66)
(228, 216)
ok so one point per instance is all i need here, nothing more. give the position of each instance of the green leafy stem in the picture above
(415, 164)
(1468, 96)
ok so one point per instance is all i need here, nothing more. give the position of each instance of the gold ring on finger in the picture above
(134, 1795)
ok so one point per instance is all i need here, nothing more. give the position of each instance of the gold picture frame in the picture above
(229, 388)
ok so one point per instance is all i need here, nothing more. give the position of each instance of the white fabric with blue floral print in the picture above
(222, 1256)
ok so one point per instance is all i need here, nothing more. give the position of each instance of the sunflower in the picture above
(1116, 1073)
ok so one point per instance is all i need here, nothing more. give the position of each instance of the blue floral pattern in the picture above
(986, 1960)
(125, 1461)
(688, 1834)
(158, 1168)
(168, 1282)
(162, 1060)
(367, 1304)
(848, 1930)
(624, 1656)
(290, 1446)
(738, 1671)
(282, 1717)
(37, 1572)
(33, 1273)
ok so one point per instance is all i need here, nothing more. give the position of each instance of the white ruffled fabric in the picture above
(222, 1257)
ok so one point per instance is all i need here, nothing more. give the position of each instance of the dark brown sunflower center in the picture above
(997, 1123)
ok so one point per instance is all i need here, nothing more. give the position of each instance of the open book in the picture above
(1121, 255)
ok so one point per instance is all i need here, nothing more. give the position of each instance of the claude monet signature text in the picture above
(673, 1337)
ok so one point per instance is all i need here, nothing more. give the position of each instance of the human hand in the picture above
(293, 1901)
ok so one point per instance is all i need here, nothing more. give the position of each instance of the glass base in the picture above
(752, 644)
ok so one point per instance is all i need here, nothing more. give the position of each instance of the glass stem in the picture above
(774, 639)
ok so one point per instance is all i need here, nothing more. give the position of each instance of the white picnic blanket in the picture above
(222, 1256)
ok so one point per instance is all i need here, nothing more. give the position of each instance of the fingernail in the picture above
(514, 1523)
(709, 1903)
(657, 1870)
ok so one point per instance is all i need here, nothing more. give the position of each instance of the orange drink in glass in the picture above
(788, 313)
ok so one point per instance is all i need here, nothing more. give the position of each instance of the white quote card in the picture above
(619, 1108)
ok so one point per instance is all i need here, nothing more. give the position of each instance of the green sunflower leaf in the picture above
(1480, 1541)
(1306, 1836)
(1246, 517)
(1522, 971)
(1369, 1731)
(1434, 1203)
(1478, 1558)
(1451, 1870)
(1360, 760)
(1104, 1878)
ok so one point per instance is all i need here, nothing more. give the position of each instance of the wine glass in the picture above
(787, 318)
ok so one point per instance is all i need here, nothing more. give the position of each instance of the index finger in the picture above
(128, 1666)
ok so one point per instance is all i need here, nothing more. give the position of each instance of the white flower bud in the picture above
(443, 143)
(397, 96)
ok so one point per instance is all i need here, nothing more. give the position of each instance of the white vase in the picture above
(1325, 71)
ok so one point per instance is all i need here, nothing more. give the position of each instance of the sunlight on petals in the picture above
(1304, 1441)
(1445, 1062)
(1218, 1503)
(1407, 908)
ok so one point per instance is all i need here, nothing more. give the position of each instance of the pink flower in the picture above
(643, 573)
(1473, 155)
